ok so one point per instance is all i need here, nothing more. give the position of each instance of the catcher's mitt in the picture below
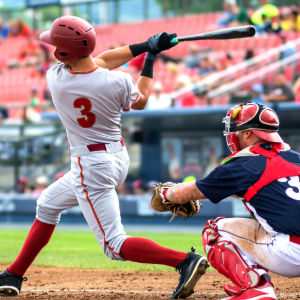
(159, 203)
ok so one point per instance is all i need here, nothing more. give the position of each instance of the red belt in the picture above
(295, 239)
(101, 147)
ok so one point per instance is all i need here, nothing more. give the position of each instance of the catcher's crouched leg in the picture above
(226, 259)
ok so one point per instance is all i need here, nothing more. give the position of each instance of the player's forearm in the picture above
(184, 192)
(145, 82)
(114, 59)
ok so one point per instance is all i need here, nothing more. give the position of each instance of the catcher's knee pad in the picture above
(112, 248)
(210, 234)
(225, 258)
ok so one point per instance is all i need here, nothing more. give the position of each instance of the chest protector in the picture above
(276, 168)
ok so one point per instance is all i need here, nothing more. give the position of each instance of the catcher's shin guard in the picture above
(225, 258)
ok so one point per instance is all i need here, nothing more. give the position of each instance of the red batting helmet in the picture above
(73, 37)
(258, 118)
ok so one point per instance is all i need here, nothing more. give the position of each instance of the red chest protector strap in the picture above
(276, 168)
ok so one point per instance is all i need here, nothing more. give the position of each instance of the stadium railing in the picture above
(22, 155)
(233, 72)
(133, 208)
(262, 75)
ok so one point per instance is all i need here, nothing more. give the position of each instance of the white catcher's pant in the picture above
(91, 183)
(274, 253)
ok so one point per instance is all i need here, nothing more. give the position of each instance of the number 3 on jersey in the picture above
(293, 182)
(88, 119)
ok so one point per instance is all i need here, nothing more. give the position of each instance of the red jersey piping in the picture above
(87, 72)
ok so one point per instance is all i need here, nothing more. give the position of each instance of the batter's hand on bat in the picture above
(161, 42)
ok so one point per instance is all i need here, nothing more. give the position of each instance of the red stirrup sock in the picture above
(38, 237)
(148, 252)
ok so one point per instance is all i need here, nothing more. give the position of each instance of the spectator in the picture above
(33, 113)
(137, 63)
(192, 60)
(28, 54)
(296, 90)
(21, 185)
(205, 69)
(249, 54)
(122, 189)
(280, 92)
(3, 112)
(137, 187)
(187, 99)
(286, 20)
(158, 100)
(4, 30)
(48, 96)
(151, 185)
(289, 47)
(257, 92)
(34, 99)
(274, 26)
(241, 16)
(41, 184)
(296, 18)
(228, 15)
(19, 28)
(263, 14)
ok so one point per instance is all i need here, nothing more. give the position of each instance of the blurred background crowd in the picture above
(201, 75)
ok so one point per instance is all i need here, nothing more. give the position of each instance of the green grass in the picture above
(79, 249)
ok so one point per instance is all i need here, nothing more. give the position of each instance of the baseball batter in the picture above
(89, 98)
(264, 173)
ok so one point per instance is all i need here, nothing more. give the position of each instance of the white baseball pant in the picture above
(257, 247)
(91, 183)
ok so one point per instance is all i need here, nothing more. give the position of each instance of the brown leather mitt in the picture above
(159, 203)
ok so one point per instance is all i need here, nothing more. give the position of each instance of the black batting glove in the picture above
(161, 42)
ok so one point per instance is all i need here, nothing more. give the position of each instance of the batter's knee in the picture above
(112, 249)
(45, 212)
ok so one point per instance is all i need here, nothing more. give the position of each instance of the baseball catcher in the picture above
(263, 172)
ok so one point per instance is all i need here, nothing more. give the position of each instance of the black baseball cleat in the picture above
(10, 285)
(190, 271)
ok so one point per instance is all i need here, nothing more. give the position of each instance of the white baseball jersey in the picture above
(89, 103)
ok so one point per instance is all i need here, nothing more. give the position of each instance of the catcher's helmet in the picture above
(258, 118)
(73, 37)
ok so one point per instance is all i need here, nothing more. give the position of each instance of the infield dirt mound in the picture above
(59, 283)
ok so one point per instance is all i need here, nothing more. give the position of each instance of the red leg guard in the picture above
(225, 258)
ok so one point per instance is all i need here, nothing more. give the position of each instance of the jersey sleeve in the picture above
(132, 93)
(226, 180)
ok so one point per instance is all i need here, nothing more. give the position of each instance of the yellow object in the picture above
(286, 25)
(189, 179)
(297, 25)
(269, 10)
(236, 112)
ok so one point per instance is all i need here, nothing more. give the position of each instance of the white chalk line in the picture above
(138, 292)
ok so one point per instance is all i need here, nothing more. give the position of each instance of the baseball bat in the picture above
(222, 34)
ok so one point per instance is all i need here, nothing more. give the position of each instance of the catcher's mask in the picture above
(258, 118)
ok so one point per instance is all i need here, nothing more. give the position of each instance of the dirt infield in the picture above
(58, 283)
